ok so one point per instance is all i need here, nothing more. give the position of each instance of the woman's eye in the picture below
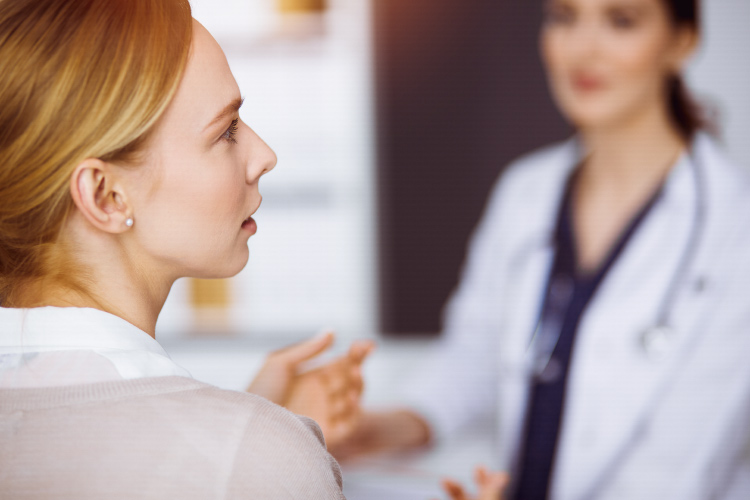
(623, 21)
(231, 133)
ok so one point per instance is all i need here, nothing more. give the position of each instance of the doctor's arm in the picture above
(458, 381)
(382, 431)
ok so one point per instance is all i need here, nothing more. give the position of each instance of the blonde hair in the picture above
(78, 79)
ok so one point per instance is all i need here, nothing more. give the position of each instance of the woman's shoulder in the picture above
(258, 419)
(723, 172)
(241, 443)
(534, 179)
(276, 448)
(555, 159)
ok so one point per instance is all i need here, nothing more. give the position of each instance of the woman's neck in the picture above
(634, 154)
(623, 168)
(105, 279)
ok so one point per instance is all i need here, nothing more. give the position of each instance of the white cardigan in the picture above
(635, 426)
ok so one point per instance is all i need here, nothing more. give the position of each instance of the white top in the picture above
(90, 408)
(56, 346)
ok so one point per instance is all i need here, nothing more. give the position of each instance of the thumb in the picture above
(307, 349)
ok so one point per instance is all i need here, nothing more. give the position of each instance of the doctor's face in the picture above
(609, 60)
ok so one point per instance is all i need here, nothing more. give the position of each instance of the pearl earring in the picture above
(129, 222)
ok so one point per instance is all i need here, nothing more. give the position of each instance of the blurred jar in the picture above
(210, 301)
(301, 6)
(302, 19)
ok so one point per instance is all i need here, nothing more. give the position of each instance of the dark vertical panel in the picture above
(460, 92)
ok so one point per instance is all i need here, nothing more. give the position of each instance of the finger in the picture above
(454, 490)
(344, 411)
(356, 382)
(500, 481)
(337, 380)
(339, 411)
(295, 354)
(480, 475)
(360, 349)
(492, 485)
(340, 407)
(341, 403)
(340, 431)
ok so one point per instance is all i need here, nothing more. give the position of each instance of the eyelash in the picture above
(231, 133)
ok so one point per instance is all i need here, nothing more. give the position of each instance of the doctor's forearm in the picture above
(385, 431)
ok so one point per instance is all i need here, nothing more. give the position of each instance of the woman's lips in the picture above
(249, 225)
(587, 83)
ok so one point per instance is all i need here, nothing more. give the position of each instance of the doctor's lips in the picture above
(586, 82)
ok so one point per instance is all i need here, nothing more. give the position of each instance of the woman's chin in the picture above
(595, 115)
(224, 268)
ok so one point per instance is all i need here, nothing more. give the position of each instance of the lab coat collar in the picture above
(565, 157)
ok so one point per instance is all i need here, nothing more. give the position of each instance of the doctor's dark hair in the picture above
(78, 79)
(686, 113)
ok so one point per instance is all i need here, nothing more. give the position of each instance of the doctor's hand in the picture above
(329, 394)
(491, 486)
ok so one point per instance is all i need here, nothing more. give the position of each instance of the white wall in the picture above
(721, 71)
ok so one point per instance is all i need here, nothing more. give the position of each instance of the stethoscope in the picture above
(656, 339)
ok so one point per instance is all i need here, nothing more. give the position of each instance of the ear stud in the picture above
(129, 222)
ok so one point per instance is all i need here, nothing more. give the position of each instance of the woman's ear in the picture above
(100, 197)
(685, 44)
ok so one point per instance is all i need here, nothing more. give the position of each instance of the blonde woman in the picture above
(124, 166)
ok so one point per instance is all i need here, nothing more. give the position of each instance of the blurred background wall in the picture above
(391, 120)
(460, 93)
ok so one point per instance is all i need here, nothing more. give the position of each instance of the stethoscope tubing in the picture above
(676, 281)
(669, 299)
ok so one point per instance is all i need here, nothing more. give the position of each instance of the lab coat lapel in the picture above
(528, 275)
(528, 280)
(605, 412)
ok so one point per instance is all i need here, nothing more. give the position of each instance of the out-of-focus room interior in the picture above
(391, 120)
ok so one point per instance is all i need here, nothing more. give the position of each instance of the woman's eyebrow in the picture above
(230, 108)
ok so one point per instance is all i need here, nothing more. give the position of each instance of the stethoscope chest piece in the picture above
(657, 340)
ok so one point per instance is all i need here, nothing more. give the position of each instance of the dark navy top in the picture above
(568, 293)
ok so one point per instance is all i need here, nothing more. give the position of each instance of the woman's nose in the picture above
(262, 159)
(271, 159)
(583, 40)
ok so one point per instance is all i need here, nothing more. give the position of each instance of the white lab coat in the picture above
(635, 425)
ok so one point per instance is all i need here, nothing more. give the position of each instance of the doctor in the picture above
(604, 308)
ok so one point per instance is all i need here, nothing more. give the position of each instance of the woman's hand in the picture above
(491, 486)
(329, 394)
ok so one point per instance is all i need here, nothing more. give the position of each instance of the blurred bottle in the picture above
(302, 19)
(301, 6)
(210, 301)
